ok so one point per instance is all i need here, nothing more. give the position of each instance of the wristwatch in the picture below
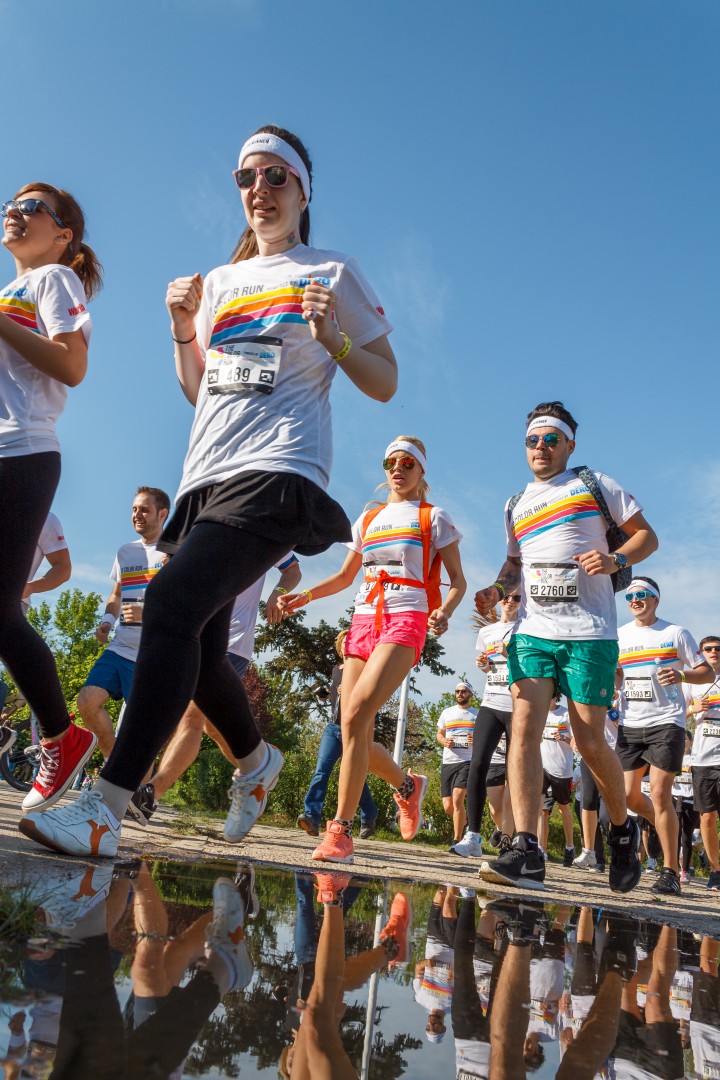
(620, 560)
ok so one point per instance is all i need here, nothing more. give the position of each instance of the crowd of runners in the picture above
(258, 343)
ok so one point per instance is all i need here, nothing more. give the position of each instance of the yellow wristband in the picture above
(306, 592)
(682, 676)
(279, 588)
(337, 357)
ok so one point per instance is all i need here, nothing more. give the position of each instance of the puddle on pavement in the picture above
(383, 980)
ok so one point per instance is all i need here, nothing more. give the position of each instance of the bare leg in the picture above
(181, 751)
(588, 725)
(508, 821)
(566, 815)
(543, 828)
(708, 830)
(532, 698)
(366, 687)
(496, 800)
(458, 813)
(589, 828)
(90, 706)
(666, 821)
(636, 800)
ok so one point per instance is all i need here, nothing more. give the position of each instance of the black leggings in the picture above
(186, 620)
(688, 822)
(27, 488)
(490, 726)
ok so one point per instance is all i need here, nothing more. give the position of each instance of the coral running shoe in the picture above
(336, 845)
(330, 888)
(84, 827)
(249, 796)
(60, 762)
(398, 928)
(411, 808)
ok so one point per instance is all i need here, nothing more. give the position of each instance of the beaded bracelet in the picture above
(337, 357)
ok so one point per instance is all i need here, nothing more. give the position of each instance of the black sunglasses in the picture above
(550, 440)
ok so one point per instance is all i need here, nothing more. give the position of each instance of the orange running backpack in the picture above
(431, 574)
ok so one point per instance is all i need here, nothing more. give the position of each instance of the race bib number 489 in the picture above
(250, 364)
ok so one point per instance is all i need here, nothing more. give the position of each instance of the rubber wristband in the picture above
(279, 588)
(682, 676)
(500, 588)
(306, 592)
(337, 357)
(186, 342)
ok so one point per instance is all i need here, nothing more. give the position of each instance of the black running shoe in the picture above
(505, 843)
(667, 883)
(714, 881)
(654, 847)
(569, 856)
(142, 806)
(524, 869)
(625, 866)
(620, 949)
(495, 838)
(245, 885)
(521, 922)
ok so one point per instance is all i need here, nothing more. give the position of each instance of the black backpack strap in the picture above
(514, 500)
(590, 481)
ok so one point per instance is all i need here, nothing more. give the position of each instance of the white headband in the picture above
(550, 421)
(409, 448)
(641, 583)
(265, 143)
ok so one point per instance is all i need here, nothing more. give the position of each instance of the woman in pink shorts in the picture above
(400, 545)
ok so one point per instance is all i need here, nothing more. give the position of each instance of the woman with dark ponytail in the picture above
(44, 335)
(257, 346)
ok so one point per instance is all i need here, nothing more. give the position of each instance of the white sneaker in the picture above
(469, 846)
(249, 796)
(226, 933)
(586, 860)
(66, 902)
(85, 827)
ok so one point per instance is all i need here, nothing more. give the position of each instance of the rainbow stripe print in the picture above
(581, 504)
(667, 654)
(136, 582)
(252, 314)
(382, 538)
(496, 649)
(460, 727)
(23, 312)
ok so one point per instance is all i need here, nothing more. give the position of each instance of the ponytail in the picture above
(78, 255)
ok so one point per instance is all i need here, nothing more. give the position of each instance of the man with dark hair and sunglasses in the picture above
(655, 657)
(566, 637)
(704, 705)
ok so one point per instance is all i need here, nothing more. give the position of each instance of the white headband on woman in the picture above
(266, 143)
(409, 448)
(550, 421)
(642, 583)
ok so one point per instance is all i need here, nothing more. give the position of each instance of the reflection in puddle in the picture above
(167, 970)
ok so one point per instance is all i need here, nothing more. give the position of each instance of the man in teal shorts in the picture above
(565, 640)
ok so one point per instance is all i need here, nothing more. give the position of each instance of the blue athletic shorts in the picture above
(112, 673)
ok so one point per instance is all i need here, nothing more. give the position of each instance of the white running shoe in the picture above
(226, 933)
(586, 860)
(85, 827)
(469, 846)
(66, 902)
(249, 796)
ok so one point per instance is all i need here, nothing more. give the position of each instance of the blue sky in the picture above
(530, 187)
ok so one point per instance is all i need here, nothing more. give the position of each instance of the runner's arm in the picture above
(641, 544)
(63, 357)
(183, 301)
(57, 575)
(112, 607)
(509, 578)
(289, 580)
(438, 619)
(331, 585)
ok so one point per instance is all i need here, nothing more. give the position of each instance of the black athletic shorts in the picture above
(452, 776)
(706, 788)
(265, 504)
(556, 789)
(706, 999)
(496, 776)
(656, 1048)
(663, 747)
